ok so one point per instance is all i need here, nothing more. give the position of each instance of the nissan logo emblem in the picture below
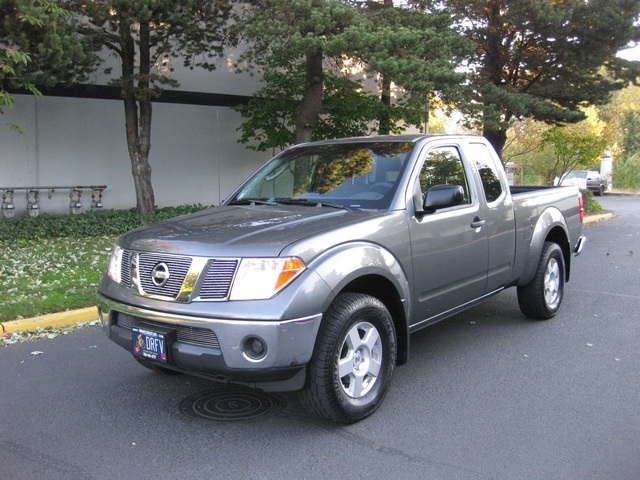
(160, 274)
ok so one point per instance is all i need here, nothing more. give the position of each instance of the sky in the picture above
(630, 53)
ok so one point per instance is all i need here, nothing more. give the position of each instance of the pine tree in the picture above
(39, 46)
(544, 59)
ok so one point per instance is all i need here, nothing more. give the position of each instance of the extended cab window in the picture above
(443, 166)
(488, 171)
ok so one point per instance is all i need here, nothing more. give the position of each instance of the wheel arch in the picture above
(550, 227)
(366, 268)
(381, 288)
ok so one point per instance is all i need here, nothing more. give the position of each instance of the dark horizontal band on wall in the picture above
(108, 92)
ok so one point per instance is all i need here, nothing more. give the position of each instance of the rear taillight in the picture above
(581, 207)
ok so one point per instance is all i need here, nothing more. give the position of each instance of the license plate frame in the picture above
(151, 342)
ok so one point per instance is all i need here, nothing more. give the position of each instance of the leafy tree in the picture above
(306, 49)
(415, 46)
(630, 126)
(271, 113)
(145, 35)
(286, 38)
(38, 46)
(545, 58)
(548, 152)
(572, 149)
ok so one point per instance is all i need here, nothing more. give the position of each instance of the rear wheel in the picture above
(354, 358)
(541, 298)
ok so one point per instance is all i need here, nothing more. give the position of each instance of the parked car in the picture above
(589, 179)
(314, 272)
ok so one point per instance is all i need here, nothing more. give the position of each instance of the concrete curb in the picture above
(595, 218)
(61, 319)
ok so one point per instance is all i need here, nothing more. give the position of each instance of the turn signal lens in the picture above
(262, 278)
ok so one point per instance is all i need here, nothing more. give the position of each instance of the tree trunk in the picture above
(138, 121)
(497, 138)
(307, 117)
(384, 127)
(384, 119)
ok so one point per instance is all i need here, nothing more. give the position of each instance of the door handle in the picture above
(477, 223)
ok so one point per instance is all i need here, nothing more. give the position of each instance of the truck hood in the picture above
(239, 231)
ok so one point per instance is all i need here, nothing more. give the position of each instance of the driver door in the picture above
(449, 254)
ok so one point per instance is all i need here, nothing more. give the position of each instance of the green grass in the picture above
(50, 275)
(52, 263)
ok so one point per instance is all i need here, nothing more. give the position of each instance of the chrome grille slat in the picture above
(125, 268)
(217, 281)
(201, 337)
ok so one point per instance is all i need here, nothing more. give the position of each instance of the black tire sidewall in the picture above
(372, 311)
(553, 251)
(531, 296)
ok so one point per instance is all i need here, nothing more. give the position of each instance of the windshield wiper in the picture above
(307, 203)
(254, 201)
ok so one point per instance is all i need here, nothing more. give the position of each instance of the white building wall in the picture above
(195, 157)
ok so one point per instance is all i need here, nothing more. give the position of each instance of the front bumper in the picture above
(217, 348)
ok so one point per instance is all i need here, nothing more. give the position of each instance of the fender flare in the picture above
(549, 220)
(348, 262)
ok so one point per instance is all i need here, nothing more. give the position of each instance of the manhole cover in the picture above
(230, 404)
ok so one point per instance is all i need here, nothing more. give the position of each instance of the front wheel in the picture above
(541, 298)
(354, 357)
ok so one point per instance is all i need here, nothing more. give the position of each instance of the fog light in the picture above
(254, 348)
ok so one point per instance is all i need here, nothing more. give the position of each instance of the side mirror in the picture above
(443, 196)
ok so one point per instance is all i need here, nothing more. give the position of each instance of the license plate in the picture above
(149, 344)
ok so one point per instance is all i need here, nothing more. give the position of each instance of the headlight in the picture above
(262, 278)
(115, 264)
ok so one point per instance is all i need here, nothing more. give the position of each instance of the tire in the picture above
(353, 360)
(156, 368)
(601, 190)
(541, 298)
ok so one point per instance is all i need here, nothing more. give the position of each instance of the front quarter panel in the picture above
(345, 263)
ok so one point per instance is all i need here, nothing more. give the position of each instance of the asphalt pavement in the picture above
(486, 394)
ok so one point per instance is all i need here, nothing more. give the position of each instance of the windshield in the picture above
(349, 175)
(576, 175)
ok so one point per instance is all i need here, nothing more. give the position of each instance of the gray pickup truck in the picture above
(312, 274)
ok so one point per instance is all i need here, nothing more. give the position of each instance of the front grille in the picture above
(217, 281)
(214, 282)
(178, 268)
(201, 337)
